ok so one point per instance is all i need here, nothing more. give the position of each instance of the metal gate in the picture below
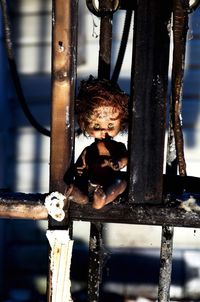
(168, 200)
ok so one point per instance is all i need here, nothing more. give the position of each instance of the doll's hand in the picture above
(114, 164)
(117, 165)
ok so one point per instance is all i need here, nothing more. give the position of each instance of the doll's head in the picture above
(102, 108)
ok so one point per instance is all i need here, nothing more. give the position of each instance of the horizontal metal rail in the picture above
(174, 211)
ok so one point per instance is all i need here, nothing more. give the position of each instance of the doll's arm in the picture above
(118, 164)
(81, 164)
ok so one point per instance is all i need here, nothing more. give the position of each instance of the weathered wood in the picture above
(148, 99)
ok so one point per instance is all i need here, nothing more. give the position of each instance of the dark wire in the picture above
(123, 45)
(14, 73)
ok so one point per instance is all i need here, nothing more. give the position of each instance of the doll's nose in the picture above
(104, 133)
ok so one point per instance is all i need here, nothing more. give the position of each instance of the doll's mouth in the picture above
(106, 138)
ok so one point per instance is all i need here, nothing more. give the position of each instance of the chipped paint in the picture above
(93, 243)
(67, 117)
(60, 263)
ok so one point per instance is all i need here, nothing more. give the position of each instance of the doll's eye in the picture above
(110, 126)
(96, 127)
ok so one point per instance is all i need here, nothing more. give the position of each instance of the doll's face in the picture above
(105, 121)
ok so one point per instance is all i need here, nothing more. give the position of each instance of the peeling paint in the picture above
(67, 117)
(60, 257)
(93, 243)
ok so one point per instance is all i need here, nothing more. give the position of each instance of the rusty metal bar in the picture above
(183, 214)
(167, 231)
(165, 264)
(176, 210)
(180, 27)
(64, 50)
(148, 100)
(63, 86)
(175, 155)
(22, 206)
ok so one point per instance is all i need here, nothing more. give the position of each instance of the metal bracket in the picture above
(99, 12)
(111, 8)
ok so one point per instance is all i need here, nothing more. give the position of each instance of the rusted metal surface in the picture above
(175, 152)
(180, 27)
(175, 213)
(165, 264)
(148, 99)
(175, 209)
(64, 25)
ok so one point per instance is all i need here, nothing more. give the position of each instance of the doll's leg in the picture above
(99, 198)
(117, 188)
(102, 198)
(76, 195)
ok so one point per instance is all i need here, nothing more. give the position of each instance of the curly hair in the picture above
(94, 93)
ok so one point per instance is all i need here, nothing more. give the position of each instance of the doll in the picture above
(102, 112)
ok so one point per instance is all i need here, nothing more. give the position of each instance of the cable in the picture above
(14, 73)
(123, 45)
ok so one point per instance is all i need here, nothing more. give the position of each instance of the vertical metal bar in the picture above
(64, 49)
(63, 86)
(95, 261)
(96, 230)
(148, 100)
(165, 264)
(180, 27)
(175, 152)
